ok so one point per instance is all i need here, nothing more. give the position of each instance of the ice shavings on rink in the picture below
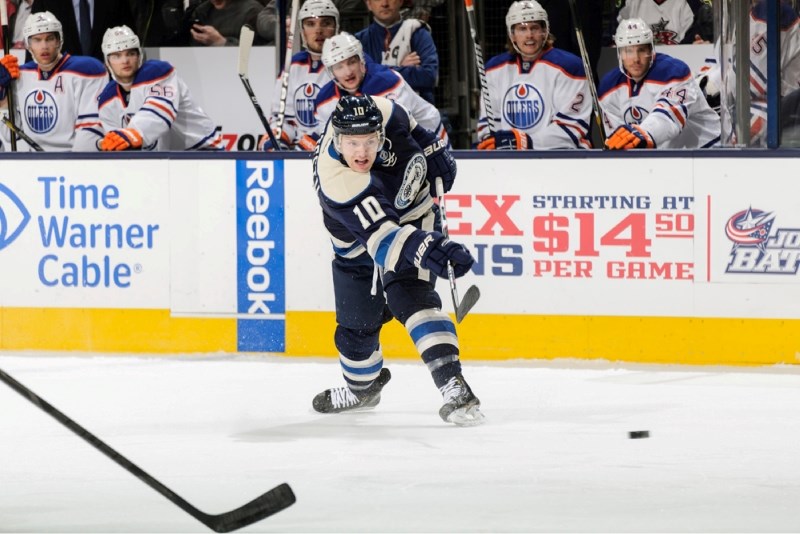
(553, 455)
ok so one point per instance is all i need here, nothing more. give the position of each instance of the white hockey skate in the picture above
(461, 406)
(343, 399)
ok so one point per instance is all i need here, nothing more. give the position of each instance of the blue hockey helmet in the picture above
(357, 115)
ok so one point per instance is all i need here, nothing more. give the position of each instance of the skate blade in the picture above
(468, 416)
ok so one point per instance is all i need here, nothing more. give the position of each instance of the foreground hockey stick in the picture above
(588, 68)
(10, 89)
(287, 64)
(16, 130)
(275, 500)
(245, 44)
(472, 295)
(473, 30)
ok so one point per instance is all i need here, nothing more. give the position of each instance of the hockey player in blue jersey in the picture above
(374, 169)
(652, 100)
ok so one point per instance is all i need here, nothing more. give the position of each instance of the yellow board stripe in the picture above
(670, 340)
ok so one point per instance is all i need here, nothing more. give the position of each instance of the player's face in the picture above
(316, 30)
(360, 151)
(529, 38)
(44, 48)
(124, 65)
(385, 11)
(349, 73)
(636, 59)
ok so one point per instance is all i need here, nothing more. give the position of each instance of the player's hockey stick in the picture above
(22, 135)
(10, 89)
(473, 30)
(287, 64)
(246, 36)
(463, 306)
(275, 500)
(588, 68)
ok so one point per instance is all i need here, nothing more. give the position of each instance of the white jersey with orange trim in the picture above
(161, 108)
(383, 81)
(307, 76)
(548, 99)
(667, 103)
(58, 109)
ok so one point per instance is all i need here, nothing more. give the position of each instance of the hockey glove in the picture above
(9, 69)
(307, 142)
(124, 139)
(440, 164)
(436, 251)
(507, 140)
(283, 142)
(629, 136)
(710, 91)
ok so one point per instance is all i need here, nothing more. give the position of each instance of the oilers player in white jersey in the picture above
(539, 95)
(373, 172)
(55, 94)
(652, 100)
(351, 73)
(319, 20)
(146, 105)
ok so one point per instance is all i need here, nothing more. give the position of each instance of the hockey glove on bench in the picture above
(124, 139)
(9, 69)
(630, 136)
(507, 140)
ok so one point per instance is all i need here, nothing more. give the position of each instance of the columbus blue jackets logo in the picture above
(13, 216)
(662, 35)
(634, 115)
(41, 111)
(756, 250)
(413, 176)
(304, 98)
(523, 106)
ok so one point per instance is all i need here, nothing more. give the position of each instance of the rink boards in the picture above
(679, 258)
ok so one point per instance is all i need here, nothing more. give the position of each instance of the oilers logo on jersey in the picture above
(304, 107)
(523, 106)
(634, 115)
(41, 111)
(415, 172)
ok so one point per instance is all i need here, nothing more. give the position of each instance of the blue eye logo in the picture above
(13, 216)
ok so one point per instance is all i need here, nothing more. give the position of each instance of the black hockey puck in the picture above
(639, 434)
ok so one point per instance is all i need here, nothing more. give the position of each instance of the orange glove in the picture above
(512, 139)
(9, 70)
(265, 143)
(308, 142)
(630, 136)
(124, 139)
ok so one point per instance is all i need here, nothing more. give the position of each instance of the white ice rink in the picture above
(554, 455)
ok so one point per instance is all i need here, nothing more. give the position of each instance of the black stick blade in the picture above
(467, 302)
(277, 499)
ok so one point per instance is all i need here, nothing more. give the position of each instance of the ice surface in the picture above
(553, 456)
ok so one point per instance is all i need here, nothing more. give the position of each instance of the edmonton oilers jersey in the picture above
(307, 76)
(547, 98)
(360, 209)
(667, 103)
(161, 108)
(58, 109)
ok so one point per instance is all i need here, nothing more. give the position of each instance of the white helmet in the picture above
(633, 32)
(43, 22)
(338, 48)
(525, 11)
(318, 9)
(118, 39)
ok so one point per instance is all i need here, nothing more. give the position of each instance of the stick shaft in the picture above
(287, 64)
(473, 30)
(12, 113)
(246, 36)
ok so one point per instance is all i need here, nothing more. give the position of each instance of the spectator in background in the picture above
(405, 46)
(146, 105)
(17, 20)
(670, 20)
(85, 22)
(702, 31)
(57, 91)
(300, 129)
(344, 58)
(652, 100)
(539, 95)
(159, 22)
(219, 22)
